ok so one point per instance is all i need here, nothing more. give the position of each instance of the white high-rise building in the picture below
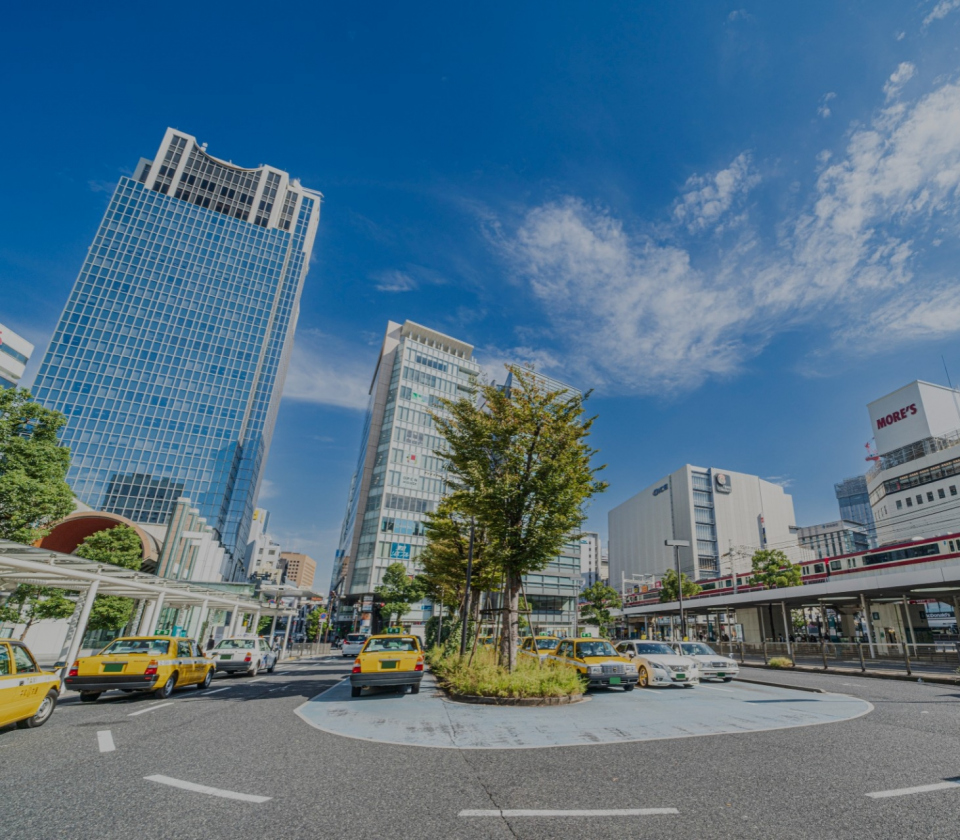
(15, 352)
(591, 557)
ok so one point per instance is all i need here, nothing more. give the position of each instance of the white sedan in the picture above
(243, 655)
(713, 666)
(658, 664)
(353, 644)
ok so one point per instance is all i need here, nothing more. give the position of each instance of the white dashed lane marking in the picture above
(948, 784)
(105, 741)
(149, 709)
(209, 791)
(612, 812)
(215, 690)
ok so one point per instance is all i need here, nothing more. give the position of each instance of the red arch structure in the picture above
(68, 533)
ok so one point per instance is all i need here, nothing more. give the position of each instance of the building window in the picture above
(953, 490)
(919, 499)
(899, 504)
(909, 502)
(929, 497)
(941, 494)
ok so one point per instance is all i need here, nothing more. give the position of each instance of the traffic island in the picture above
(479, 700)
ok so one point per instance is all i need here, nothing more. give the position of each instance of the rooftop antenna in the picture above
(947, 372)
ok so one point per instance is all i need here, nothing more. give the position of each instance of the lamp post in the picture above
(677, 545)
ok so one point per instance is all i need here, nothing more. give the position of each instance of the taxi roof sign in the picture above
(392, 630)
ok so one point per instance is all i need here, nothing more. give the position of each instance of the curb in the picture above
(779, 685)
(515, 701)
(874, 675)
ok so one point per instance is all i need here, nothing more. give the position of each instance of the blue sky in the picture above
(737, 223)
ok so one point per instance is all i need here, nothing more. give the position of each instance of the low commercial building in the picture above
(15, 352)
(724, 515)
(915, 485)
(299, 569)
(831, 539)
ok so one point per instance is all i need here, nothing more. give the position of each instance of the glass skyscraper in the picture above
(170, 355)
(854, 501)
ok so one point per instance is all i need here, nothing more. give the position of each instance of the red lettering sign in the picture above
(897, 416)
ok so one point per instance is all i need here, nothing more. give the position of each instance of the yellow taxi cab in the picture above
(538, 647)
(141, 663)
(28, 695)
(388, 659)
(597, 662)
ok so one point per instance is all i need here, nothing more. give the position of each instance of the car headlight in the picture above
(660, 667)
(594, 670)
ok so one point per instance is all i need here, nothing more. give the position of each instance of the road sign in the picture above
(323, 616)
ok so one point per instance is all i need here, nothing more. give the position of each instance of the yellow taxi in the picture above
(28, 695)
(141, 663)
(538, 647)
(388, 659)
(597, 662)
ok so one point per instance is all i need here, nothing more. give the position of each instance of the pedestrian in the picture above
(210, 643)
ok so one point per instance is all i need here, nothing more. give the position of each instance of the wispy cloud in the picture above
(100, 186)
(903, 74)
(327, 372)
(941, 10)
(670, 308)
(394, 281)
(824, 109)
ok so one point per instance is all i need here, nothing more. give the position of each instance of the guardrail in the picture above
(940, 658)
(302, 649)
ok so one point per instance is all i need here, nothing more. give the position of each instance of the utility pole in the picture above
(677, 545)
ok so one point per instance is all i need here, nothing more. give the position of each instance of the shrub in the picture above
(485, 678)
(780, 662)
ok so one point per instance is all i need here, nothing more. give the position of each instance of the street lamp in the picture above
(677, 545)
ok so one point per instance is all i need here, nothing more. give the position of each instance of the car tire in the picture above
(207, 679)
(727, 679)
(688, 685)
(643, 678)
(355, 690)
(254, 670)
(89, 696)
(274, 665)
(415, 688)
(166, 689)
(629, 687)
(43, 713)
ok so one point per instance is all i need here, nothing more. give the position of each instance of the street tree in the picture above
(33, 467)
(773, 569)
(521, 460)
(596, 602)
(668, 586)
(397, 592)
(313, 625)
(119, 546)
(29, 604)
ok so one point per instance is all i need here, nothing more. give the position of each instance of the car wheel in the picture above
(727, 679)
(208, 678)
(272, 666)
(355, 690)
(166, 689)
(688, 685)
(643, 677)
(629, 687)
(415, 688)
(89, 696)
(43, 713)
(254, 670)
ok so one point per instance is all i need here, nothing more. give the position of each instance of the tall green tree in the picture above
(119, 546)
(668, 586)
(521, 460)
(313, 625)
(34, 493)
(596, 602)
(29, 604)
(773, 569)
(397, 592)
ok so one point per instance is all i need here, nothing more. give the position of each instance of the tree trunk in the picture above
(511, 621)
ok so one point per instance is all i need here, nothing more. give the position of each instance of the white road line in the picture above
(612, 812)
(714, 688)
(215, 690)
(149, 709)
(210, 791)
(950, 784)
(105, 741)
(258, 679)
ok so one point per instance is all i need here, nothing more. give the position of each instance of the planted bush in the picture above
(483, 677)
(780, 662)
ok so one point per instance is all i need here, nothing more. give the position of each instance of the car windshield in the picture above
(547, 644)
(235, 644)
(390, 646)
(595, 649)
(356, 638)
(696, 649)
(656, 648)
(149, 647)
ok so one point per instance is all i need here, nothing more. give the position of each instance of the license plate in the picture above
(113, 667)
(226, 656)
(681, 676)
(388, 666)
(614, 680)
(721, 674)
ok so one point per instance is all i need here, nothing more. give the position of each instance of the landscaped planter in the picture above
(516, 701)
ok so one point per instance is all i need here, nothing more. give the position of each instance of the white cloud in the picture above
(903, 74)
(706, 200)
(941, 10)
(824, 109)
(268, 490)
(666, 312)
(395, 281)
(326, 372)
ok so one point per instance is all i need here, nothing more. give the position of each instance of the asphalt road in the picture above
(243, 737)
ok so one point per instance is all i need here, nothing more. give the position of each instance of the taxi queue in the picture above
(131, 664)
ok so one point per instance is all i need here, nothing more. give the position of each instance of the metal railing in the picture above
(303, 649)
(939, 658)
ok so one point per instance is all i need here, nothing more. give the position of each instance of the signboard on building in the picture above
(410, 482)
(910, 414)
(399, 551)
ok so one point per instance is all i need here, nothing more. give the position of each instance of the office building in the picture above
(833, 539)
(398, 477)
(298, 569)
(263, 551)
(15, 352)
(725, 516)
(854, 501)
(590, 558)
(915, 485)
(170, 356)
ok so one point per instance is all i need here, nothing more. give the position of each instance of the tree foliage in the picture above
(519, 460)
(597, 601)
(33, 466)
(773, 569)
(118, 546)
(266, 621)
(397, 592)
(29, 604)
(668, 586)
(313, 625)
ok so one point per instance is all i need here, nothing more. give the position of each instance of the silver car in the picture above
(713, 666)
(658, 664)
(243, 655)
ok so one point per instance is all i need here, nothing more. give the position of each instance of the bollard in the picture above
(906, 659)
(863, 667)
(764, 651)
(741, 651)
(823, 654)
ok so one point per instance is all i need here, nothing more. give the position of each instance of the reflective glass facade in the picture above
(170, 355)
